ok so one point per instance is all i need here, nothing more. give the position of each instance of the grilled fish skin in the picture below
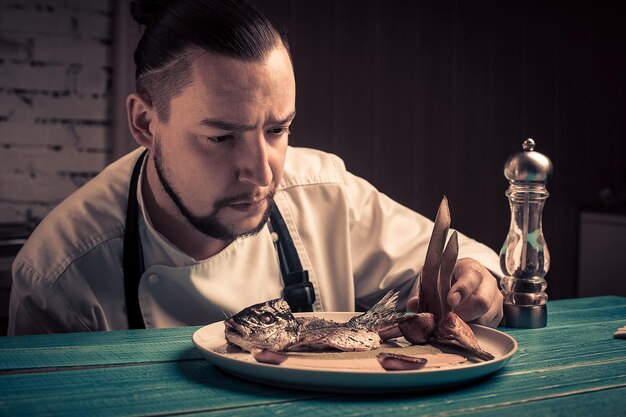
(339, 338)
(453, 330)
(272, 326)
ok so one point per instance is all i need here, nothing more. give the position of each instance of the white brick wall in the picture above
(55, 81)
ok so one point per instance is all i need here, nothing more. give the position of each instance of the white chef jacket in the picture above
(355, 242)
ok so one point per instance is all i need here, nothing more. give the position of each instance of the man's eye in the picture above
(279, 130)
(218, 139)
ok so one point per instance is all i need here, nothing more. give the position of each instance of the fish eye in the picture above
(267, 318)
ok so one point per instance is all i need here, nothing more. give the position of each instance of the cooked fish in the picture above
(453, 330)
(417, 328)
(397, 362)
(272, 326)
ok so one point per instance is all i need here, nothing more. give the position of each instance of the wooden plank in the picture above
(97, 348)
(585, 303)
(195, 386)
(553, 364)
(583, 318)
(545, 347)
(551, 355)
(586, 335)
(596, 318)
(154, 389)
(608, 402)
(497, 394)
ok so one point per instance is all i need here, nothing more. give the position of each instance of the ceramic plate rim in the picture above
(406, 379)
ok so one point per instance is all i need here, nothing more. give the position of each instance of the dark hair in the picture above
(175, 28)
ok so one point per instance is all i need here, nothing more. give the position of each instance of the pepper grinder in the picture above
(524, 257)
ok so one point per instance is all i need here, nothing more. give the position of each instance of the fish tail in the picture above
(382, 314)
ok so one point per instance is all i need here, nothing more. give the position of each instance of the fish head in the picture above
(453, 329)
(269, 325)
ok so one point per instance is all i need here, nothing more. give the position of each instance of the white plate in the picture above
(212, 344)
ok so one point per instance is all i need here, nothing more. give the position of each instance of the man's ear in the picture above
(140, 115)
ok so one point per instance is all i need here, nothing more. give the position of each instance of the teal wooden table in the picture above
(573, 367)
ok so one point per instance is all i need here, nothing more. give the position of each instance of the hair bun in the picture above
(145, 12)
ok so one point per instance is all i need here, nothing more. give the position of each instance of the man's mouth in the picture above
(248, 205)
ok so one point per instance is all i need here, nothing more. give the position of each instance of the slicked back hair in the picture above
(175, 30)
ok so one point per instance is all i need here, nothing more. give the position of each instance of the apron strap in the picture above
(133, 255)
(298, 292)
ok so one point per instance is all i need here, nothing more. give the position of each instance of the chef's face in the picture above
(220, 155)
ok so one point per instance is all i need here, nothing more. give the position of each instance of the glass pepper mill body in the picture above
(524, 257)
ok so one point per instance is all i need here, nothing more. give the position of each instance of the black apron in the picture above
(298, 290)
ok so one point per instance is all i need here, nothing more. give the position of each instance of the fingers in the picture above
(475, 294)
(469, 277)
(493, 317)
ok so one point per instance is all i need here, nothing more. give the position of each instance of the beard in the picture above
(209, 225)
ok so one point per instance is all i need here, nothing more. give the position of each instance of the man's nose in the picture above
(255, 162)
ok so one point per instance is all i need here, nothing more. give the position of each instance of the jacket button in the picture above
(153, 279)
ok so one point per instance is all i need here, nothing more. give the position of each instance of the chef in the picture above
(215, 211)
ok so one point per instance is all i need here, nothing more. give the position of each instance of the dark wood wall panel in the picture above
(425, 98)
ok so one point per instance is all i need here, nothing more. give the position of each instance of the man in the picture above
(177, 233)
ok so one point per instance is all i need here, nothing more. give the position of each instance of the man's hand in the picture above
(474, 294)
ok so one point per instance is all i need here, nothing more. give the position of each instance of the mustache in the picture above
(244, 198)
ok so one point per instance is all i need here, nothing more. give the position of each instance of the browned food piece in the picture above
(390, 332)
(339, 338)
(429, 298)
(435, 284)
(269, 356)
(395, 362)
(417, 328)
(453, 330)
(448, 261)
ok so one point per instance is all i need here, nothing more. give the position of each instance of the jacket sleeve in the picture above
(36, 305)
(389, 243)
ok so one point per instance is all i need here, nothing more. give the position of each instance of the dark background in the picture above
(426, 98)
